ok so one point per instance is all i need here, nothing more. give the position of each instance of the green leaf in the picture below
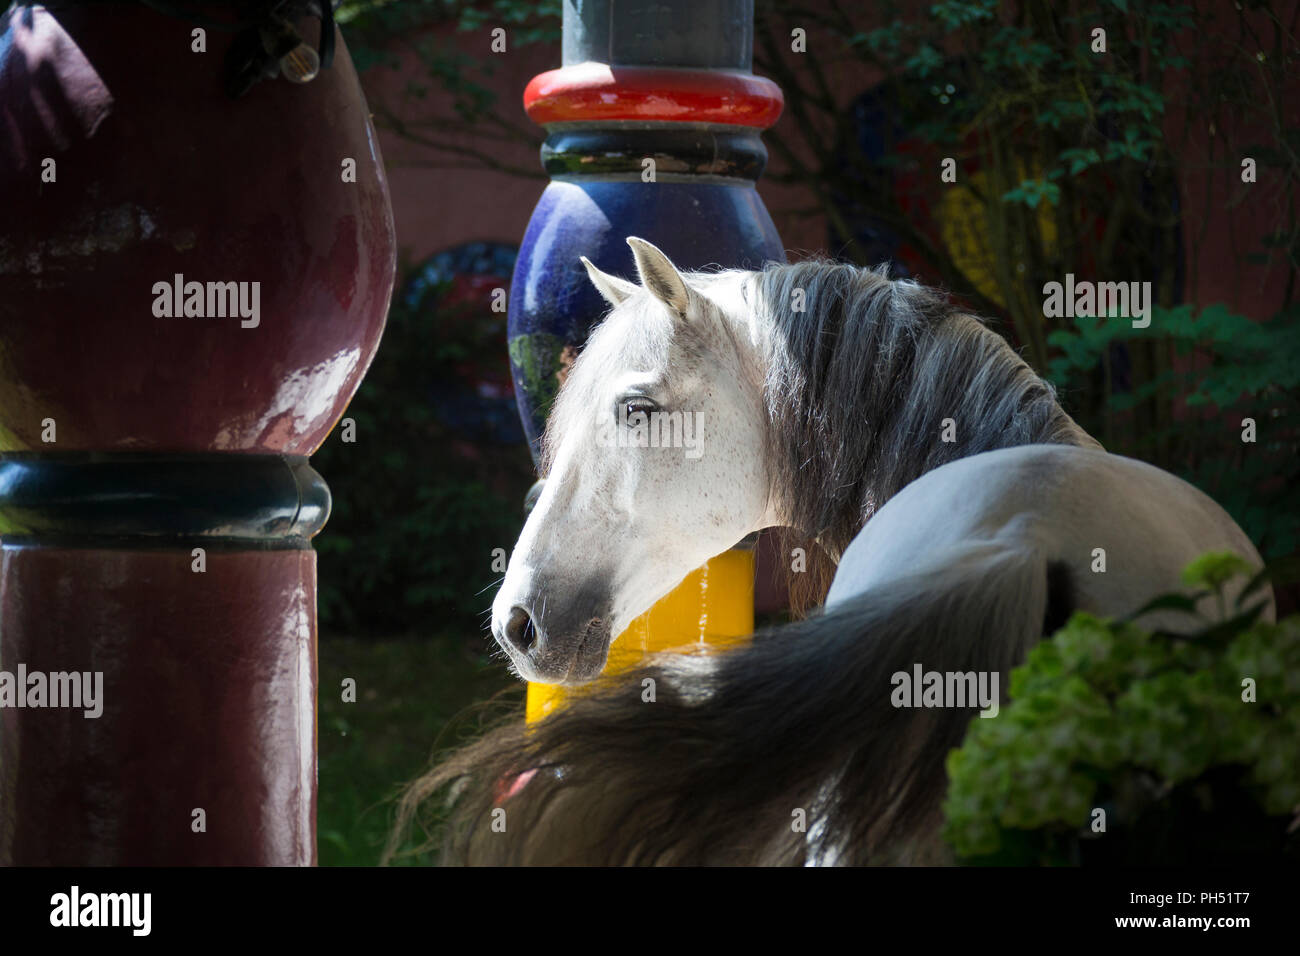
(1168, 602)
(1215, 569)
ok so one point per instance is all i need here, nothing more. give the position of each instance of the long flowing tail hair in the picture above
(694, 760)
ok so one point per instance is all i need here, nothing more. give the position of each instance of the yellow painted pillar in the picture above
(713, 609)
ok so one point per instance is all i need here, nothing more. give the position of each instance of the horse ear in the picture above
(660, 277)
(612, 289)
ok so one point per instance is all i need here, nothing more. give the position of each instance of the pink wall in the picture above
(439, 199)
(438, 207)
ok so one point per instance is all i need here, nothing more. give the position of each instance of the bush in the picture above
(1189, 761)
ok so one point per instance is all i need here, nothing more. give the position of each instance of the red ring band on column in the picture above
(597, 91)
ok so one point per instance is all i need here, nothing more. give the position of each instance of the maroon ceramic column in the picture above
(132, 437)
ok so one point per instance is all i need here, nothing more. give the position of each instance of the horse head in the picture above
(652, 462)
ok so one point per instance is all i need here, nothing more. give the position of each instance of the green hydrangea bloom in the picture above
(1108, 716)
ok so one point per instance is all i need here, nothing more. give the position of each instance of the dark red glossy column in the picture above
(132, 438)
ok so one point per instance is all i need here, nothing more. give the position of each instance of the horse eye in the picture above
(638, 406)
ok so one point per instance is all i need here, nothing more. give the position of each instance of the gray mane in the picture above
(861, 381)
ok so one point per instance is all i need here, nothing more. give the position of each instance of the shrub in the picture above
(1185, 742)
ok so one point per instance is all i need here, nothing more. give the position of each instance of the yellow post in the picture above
(712, 609)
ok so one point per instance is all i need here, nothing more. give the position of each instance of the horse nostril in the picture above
(520, 631)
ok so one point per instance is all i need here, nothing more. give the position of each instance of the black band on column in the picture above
(685, 151)
(124, 499)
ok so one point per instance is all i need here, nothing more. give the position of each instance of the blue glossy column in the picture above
(653, 127)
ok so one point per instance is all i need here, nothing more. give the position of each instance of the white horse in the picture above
(968, 513)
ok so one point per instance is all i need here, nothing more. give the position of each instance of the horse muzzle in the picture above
(557, 652)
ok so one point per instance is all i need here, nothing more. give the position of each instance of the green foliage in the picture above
(1225, 367)
(370, 26)
(953, 13)
(1033, 191)
(1214, 570)
(1068, 158)
(528, 22)
(418, 508)
(410, 694)
(1154, 728)
(378, 29)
